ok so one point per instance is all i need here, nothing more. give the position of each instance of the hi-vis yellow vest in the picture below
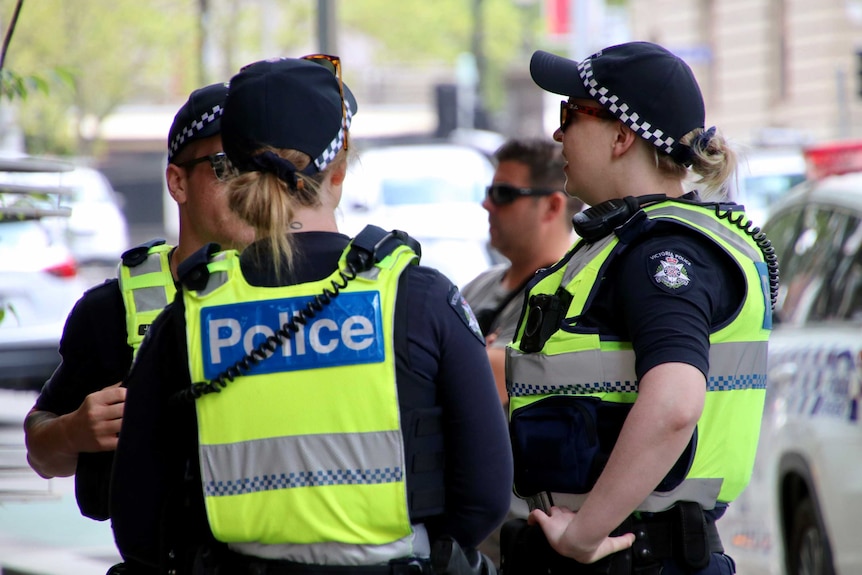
(578, 363)
(147, 286)
(306, 448)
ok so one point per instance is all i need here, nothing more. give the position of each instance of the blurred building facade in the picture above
(770, 70)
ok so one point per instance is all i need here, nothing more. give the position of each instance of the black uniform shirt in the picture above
(93, 349)
(666, 293)
(158, 441)
(668, 314)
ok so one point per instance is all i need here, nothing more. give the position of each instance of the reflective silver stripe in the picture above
(302, 461)
(702, 491)
(736, 365)
(150, 298)
(584, 256)
(218, 278)
(332, 553)
(151, 264)
(710, 223)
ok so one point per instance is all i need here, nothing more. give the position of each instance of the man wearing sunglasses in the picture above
(73, 426)
(530, 223)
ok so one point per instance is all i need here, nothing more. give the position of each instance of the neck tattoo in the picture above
(296, 225)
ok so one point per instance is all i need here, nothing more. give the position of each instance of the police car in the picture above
(802, 511)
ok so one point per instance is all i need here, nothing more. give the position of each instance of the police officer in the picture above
(315, 404)
(72, 428)
(637, 376)
(529, 222)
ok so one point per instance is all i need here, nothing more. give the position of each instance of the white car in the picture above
(96, 229)
(39, 281)
(432, 191)
(765, 176)
(802, 511)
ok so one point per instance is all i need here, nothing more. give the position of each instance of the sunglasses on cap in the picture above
(502, 194)
(569, 109)
(333, 64)
(218, 162)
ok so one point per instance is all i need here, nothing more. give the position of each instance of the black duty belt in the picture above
(238, 564)
(680, 534)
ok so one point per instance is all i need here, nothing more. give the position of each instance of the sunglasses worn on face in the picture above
(568, 111)
(502, 194)
(220, 164)
(333, 64)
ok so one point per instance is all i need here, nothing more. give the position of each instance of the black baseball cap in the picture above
(286, 103)
(647, 87)
(199, 117)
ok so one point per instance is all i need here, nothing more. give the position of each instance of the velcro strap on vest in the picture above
(136, 255)
(374, 243)
(192, 271)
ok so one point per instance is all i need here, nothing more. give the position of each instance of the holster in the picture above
(524, 550)
(92, 484)
(449, 558)
(680, 534)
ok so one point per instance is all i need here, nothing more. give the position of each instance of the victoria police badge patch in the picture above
(465, 312)
(671, 271)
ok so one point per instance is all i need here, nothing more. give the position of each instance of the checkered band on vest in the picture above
(336, 144)
(193, 128)
(621, 110)
(303, 479)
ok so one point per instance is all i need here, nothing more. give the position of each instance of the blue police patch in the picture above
(465, 312)
(671, 271)
(348, 331)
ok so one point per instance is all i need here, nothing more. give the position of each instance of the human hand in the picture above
(491, 338)
(95, 425)
(561, 530)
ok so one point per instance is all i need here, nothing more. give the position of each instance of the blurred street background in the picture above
(95, 84)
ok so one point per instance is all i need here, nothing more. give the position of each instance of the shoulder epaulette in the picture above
(374, 243)
(192, 271)
(135, 256)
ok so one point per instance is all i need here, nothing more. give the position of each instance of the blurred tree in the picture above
(116, 52)
(128, 51)
(418, 32)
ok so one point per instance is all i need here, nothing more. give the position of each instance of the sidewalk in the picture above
(41, 530)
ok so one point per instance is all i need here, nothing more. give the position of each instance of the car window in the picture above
(19, 234)
(817, 253)
(429, 190)
(846, 293)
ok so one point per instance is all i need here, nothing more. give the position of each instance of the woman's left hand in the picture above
(561, 529)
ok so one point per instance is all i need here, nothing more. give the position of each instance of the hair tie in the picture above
(701, 141)
(272, 163)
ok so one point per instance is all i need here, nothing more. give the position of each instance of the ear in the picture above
(339, 172)
(175, 177)
(556, 204)
(624, 139)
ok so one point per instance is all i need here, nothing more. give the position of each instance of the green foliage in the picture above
(4, 307)
(14, 86)
(418, 32)
(108, 52)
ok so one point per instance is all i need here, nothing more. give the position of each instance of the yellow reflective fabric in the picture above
(729, 427)
(315, 453)
(146, 289)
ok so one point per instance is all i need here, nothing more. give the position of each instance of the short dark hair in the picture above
(544, 159)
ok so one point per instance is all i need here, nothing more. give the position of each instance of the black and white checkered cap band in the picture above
(193, 128)
(336, 144)
(622, 111)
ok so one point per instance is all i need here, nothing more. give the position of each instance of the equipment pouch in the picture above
(691, 541)
(449, 558)
(555, 445)
(544, 315)
(92, 484)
